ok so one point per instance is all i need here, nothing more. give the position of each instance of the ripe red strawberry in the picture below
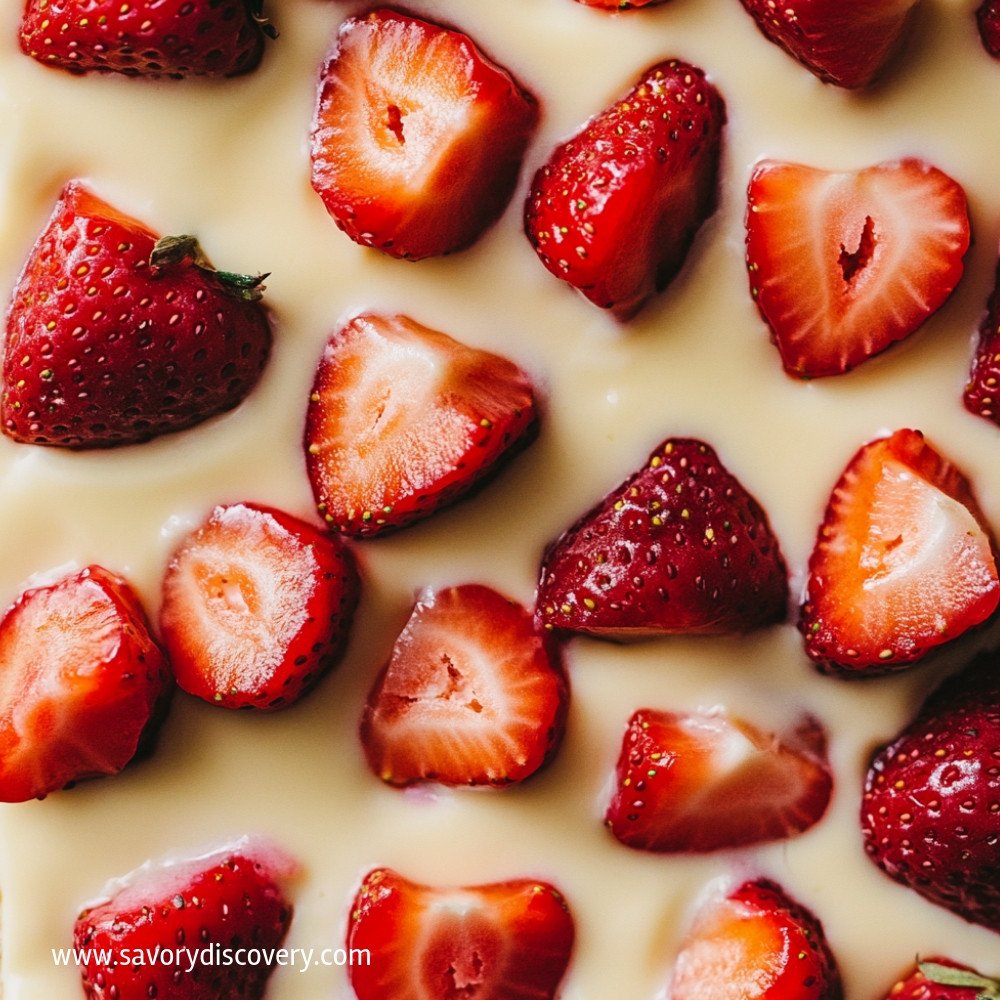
(706, 781)
(988, 21)
(844, 264)
(620, 4)
(505, 941)
(403, 420)
(256, 607)
(756, 944)
(470, 695)
(679, 547)
(615, 209)
(943, 979)
(165, 38)
(844, 42)
(904, 561)
(929, 815)
(212, 916)
(418, 137)
(83, 684)
(980, 396)
(114, 338)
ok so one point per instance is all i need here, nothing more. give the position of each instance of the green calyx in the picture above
(946, 975)
(185, 251)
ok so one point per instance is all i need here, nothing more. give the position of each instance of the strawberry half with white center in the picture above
(616, 208)
(706, 781)
(114, 337)
(82, 687)
(982, 391)
(403, 420)
(256, 607)
(470, 695)
(679, 547)
(943, 979)
(988, 21)
(505, 941)
(755, 943)
(904, 561)
(417, 138)
(929, 814)
(844, 264)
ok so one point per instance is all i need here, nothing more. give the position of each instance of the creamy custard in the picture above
(229, 161)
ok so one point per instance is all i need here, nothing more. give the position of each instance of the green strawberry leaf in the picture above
(946, 975)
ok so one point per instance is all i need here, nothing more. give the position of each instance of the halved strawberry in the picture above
(756, 943)
(256, 607)
(904, 561)
(943, 979)
(982, 391)
(844, 264)
(470, 696)
(706, 781)
(615, 209)
(403, 420)
(83, 683)
(504, 941)
(417, 138)
(988, 22)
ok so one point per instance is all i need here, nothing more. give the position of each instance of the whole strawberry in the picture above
(943, 979)
(114, 337)
(982, 391)
(988, 21)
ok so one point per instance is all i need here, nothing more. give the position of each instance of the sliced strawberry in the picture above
(83, 683)
(981, 391)
(417, 138)
(403, 420)
(679, 547)
(988, 21)
(256, 607)
(904, 561)
(505, 941)
(843, 265)
(756, 944)
(705, 781)
(615, 209)
(943, 979)
(470, 696)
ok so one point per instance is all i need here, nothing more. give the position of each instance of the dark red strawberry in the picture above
(929, 816)
(418, 137)
(943, 979)
(679, 547)
(114, 338)
(981, 390)
(706, 781)
(505, 941)
(470, 696)
(904, 561)
(615, 209)
(844, 42)
(256, 607)
(756, 943)
(843, 265)
(82, 687)
(219, 918)
(403, 420)
(620, 4)
(988, 21)
(150, 38)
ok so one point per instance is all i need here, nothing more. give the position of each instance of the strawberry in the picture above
(505, 941)
(204, 929)
(904, 561)
(844, 264)
(418, 137)
(256, 607)
(943, 979)
(705, 781)
(756, 943)
(980, 396)
(988, 21)
(620, 4)
(616, 207)
(403, 420)
(114, 338)
(843, 42)
(679, 547)
(161, 39)
(470, 695)
(83, 684)
(929, 815)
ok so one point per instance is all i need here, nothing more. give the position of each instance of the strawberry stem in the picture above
(186, 251)
(946, 975)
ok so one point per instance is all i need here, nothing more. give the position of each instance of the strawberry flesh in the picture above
(981, 391)
(988, 21)
(944, 979)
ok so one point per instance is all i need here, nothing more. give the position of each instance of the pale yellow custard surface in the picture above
(229, 161)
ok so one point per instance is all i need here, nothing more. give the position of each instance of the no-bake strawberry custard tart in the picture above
(500, 503)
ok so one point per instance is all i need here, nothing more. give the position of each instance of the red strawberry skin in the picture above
(615, 209)
(102, 349)
(680, 547)
(418, 137)
(83, 685)
(988, 21)
(931, 979)
(981, 391)
(505, 941)
(929, 814)
(256, 608)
